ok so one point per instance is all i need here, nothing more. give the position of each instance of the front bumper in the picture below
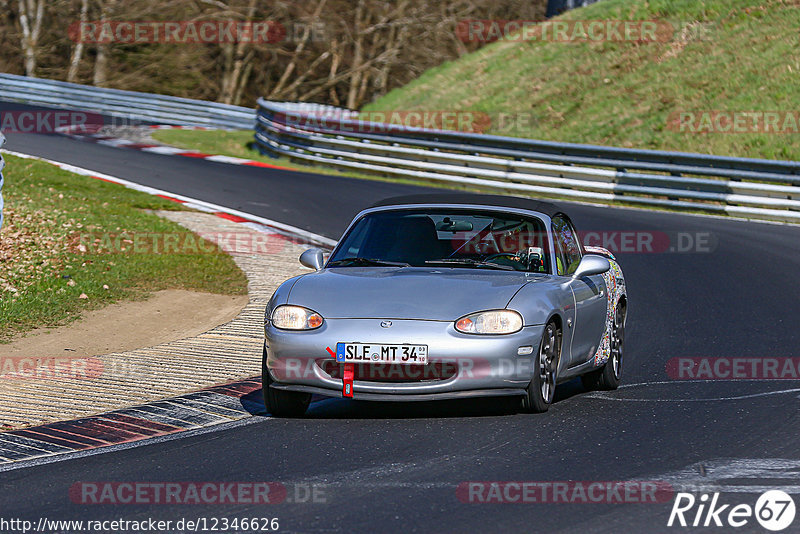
(460, 365)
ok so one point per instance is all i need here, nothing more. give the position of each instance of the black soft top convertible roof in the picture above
(471, 198)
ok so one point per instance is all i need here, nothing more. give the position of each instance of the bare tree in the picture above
(238, 56)
(77, 52)
(31, 15)
(344, 52)
(107, 11)
(296, 55)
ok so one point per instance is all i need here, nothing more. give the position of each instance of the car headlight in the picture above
(295, 318)
(490, 322)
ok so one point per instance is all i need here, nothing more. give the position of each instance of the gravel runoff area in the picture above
(68, 388)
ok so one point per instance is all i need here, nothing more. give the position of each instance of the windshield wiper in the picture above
(470, 263)
(366, 262)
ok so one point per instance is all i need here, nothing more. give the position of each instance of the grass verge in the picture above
(46, 280)
(729, 56)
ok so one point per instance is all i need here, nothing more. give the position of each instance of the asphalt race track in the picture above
(396, 467)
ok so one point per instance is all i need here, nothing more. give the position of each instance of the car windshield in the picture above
(445, 238)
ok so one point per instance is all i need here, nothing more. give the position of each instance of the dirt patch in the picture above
(167, 316)
(172, 344)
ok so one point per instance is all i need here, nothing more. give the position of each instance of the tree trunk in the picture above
(358, 57)
(31, 13)
(237, 99)
(337, 57)
(77, 53)
(103, 49)
(287, 73)
(237, 71)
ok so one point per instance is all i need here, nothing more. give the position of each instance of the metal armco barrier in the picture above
(326, 135)
(145, 107)
(741, 187)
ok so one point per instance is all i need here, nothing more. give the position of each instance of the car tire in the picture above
(541, 390)
(609, 376)
(280, 403)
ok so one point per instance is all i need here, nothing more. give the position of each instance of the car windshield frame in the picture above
(537, 233)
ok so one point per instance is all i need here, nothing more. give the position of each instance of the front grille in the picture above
(392, 373)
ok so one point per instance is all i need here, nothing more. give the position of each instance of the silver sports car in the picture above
(447, 296)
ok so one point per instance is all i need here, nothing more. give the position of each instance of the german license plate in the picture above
(379, 353)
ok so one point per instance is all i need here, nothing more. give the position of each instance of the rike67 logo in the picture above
(774, 510)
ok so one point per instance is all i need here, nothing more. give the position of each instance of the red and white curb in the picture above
(191, 411)
(77, 133)
(254, 222)
(208, 410)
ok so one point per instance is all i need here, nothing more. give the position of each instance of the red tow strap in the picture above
(347, 380)
(347, 376)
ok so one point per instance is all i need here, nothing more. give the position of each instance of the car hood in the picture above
(432, 294)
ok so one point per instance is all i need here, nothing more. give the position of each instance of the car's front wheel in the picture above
(542, 388)
(608, 377)
(280, 403)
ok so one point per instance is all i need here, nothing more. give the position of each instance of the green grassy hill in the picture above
(734, 55)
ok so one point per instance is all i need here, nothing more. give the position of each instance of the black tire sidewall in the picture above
(534, 401)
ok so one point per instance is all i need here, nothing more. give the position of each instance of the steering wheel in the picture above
(513, 257)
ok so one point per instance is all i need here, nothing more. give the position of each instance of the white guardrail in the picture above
(131, 105)
(749, 188)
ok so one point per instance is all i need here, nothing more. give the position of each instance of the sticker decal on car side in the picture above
(615, 284)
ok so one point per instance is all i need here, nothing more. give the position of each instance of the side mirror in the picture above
(592, 264)
(312, 258)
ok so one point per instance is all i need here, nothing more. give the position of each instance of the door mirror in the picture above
(312, 258)
(592, 264)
